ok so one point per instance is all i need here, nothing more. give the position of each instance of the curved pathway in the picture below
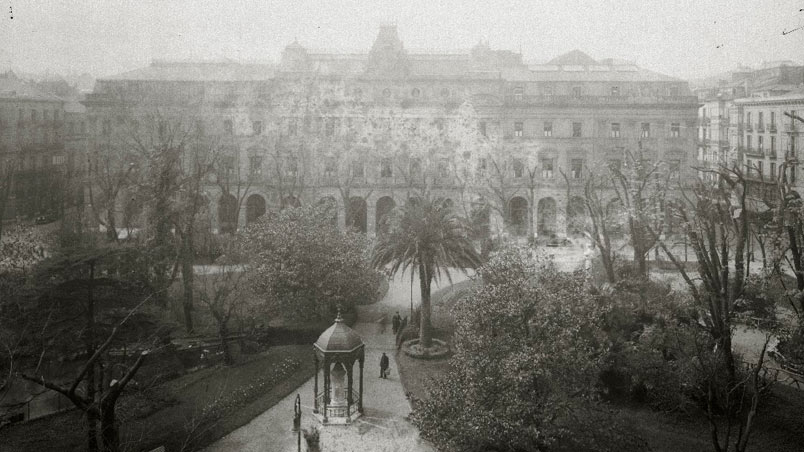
(384, 426)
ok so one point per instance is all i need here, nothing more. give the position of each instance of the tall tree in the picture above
(7, 173)
(83, 274)
(603, 215)
(224, 295)
(429, 238)
(716, 220)
(641, 187)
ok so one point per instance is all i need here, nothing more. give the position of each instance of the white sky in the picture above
(684, 38)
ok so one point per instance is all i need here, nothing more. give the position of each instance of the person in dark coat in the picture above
(384, 362)
(396, 321)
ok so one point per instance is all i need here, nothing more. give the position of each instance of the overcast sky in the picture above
(677, 37)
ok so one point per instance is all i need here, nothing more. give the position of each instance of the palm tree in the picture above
(427, 236)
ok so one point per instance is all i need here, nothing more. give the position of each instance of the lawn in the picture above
(186, 413)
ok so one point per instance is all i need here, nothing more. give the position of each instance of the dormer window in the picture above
(386, 93)
(615, 90)
(576, 91)
(416, 92)
(519, 93)
(445, 92)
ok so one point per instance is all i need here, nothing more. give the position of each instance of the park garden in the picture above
(144, 347)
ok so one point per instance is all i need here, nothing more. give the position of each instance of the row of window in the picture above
(357, 168)
(34, 114)
(577, 129)
(749, 143)
(578, 91)
(761, 119)
(332, 125)
(756, 168)
(546, 169)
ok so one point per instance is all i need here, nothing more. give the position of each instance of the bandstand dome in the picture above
(338, 338)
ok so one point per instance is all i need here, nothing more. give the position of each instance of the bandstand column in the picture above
(326, 387)
(349, 400)
(315, 386)
(360, 399)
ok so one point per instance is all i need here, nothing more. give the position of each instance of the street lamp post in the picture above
(297, 421)
(411, 294)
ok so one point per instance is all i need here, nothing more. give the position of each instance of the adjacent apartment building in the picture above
(508, 143)
(746, 122)
(37, 156)
(766, 136)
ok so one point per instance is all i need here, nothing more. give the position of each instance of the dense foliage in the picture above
(528, 349)
(305, 266)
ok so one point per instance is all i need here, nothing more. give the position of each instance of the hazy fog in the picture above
(684, 38)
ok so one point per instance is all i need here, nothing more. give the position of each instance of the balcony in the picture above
(760, 127)
(791, 127)
(772, 128)
(749, 127)
(752, 151)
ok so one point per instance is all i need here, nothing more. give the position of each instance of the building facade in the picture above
(34, 153)
(738, 119)
(508, 143)
(766, 135)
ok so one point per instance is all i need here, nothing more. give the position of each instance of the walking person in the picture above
(384, 366)
(395, 322)
(382, 323)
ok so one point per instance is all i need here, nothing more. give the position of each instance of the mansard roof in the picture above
(12, 88)
(223, 70)
(389, 59)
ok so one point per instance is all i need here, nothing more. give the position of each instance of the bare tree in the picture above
(603, 216)
(716, 222)
(7, 175)
(110, 174)
(223, 295)
(641, 187)
(88, 390)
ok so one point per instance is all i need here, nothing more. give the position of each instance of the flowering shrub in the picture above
(304, 266)
(528, 348)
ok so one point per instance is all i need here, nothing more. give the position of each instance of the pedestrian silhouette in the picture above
(384, 366)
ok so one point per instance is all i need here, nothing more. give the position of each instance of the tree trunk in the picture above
(425, 329)
(92, 416)
(111, 225)
(725, 342)
(187, 278)
(227, 353)
(110, 434)
(608, 264)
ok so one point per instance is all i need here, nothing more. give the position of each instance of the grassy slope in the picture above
(181, 400)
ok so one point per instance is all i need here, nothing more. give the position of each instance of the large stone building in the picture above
(503, 140)
(36, 146)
